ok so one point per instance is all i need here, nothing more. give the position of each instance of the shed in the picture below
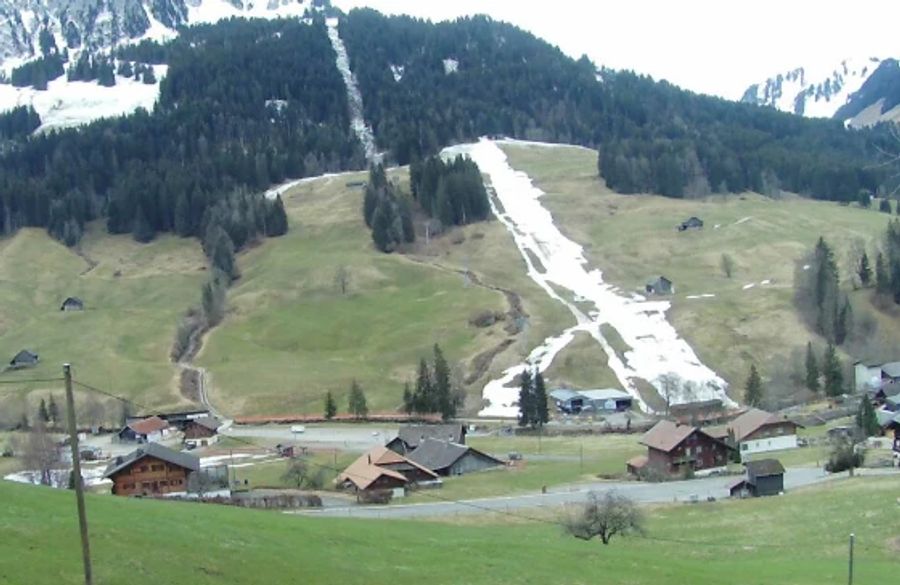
(607, 400)
(660, 286)
(201, 432)
(447, 458)
(72, 304)
(692, 222)
(410, 436)
(24, 359)
(568, 401)
(765, 477)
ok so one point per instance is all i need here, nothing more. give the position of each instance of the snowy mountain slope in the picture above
(877, 100)
(815, 92)
(98, 26)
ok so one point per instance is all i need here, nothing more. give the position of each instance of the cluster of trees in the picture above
(829, 376)
(38, 73)
(451, 192)
(887, 265)
(18, 122)
(356, 402)
(90, 67)
(434, 391)
(533, 410)
(387, 212)
(210, 134)
(819, 296)
(651, 136)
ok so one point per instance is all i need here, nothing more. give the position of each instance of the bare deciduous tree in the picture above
(40, 452)
(668, 386)
(605, 515)
(342, 279)
(727, 264)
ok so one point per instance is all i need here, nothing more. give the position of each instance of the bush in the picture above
(845, 456)
(375, 497)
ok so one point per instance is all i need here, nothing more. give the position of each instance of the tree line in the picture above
(452, 192)
(18, 122)
(387, 212)
(533, 410)
(434, 392)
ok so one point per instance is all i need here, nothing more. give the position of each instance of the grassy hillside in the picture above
(291, 335)
(633, 237)
(143, 541)
(133, 295)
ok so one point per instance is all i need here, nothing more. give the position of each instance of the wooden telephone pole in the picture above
(76, 471)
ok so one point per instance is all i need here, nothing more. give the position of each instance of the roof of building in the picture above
(688, 407)
(210, 422)
(764, 467)
(412, 435)
(185, 460)
(752, 420)
(564, 394)
(147, 425)
(637, 462)
(367, 469)
(606, 394)
(25, 355)
(74, 300)
(892, 369)
(666, 435)
(435, 454)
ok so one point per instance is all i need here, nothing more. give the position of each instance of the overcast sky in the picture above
(711, 46)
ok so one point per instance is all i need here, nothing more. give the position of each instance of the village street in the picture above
(681, 491)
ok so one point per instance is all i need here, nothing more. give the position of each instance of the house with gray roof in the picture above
(601, 400)
(24, 359)
(448, 458)
(765, 477)
(152, 470)
(411, 436)
(874, 375)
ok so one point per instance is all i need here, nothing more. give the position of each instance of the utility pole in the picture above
(76, 470)
(850, 576)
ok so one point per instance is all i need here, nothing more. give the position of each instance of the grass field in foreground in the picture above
(631, 238)
(133, 296)
(799, 539)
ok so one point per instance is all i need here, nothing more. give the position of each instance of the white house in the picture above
(757, 431)
(870, 375)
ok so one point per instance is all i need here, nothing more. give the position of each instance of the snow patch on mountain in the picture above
(212, 11)
(450, 66)
(815, 92)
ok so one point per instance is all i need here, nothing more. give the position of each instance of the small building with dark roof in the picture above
(691, 223)
(410, 436)
(447, 458)
(145, 430)
(72, 304)
(765, 477)
(660, 286)
(152, 470)
(201, 432)
(24, 359)
(674, 448)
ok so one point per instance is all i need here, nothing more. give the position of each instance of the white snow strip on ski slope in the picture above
(748, 286)
(743, 219)
(357, 122)
(703, 296)
(656, 348)
(287, 186)
(72, 103)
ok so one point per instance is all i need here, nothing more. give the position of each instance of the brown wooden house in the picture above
(674, 448)
(382, 469)
(200, 432)
(151, 470)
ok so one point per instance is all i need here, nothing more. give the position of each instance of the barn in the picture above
(447, 458)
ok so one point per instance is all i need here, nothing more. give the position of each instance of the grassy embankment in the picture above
(633, 237)
(799, 538)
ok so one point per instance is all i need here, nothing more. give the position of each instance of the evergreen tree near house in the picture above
(53, 411)
(831, 369)
(423, 399)
(866, 421)
(43, 415)
(357, 401)
(812, 369)
(442, 385)
(882, 276)
(409, 404)
(864, 270)
(541, 415)
(276, 218)
(753, 391)
(330, 406)
(526, 399)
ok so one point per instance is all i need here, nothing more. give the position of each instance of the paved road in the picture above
(345, 437)
(641, 492)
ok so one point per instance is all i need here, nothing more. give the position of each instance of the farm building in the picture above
(604, 400)
(72, 304)
(691, 223)
(709, 411)
(764, 478)
(758, 431)
(674, 448)
(180, 419)
(410, 436)
(874, 375)
(447, 458)
(889, 421)
(146, 430)
(152, 470)
(201, 432)
(24, 359)
(383, 469)
(660, 286)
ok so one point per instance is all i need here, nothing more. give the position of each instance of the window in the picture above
(143, 469)
(745, 446)
(699, 449)
(157, 467)
(163, 483)
(128, 486)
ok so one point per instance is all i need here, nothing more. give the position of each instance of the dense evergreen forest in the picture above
(245, 104)
(474, 76)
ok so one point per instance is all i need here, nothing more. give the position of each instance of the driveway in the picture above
(673, 491)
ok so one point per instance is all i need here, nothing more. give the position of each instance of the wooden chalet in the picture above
(152, 470)
(383, 469)
(146, 430)
(201, 432)
(674, 448)
(758, 431)
(447, 458)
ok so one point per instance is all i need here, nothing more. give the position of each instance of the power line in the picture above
(31, 381)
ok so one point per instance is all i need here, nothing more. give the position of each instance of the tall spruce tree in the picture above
(882, 276)
(866, 421)
(526, 399)
(357, 401)
(276, 218)
(330, 406)
(541, 412)
(753, 392)
(443, 395)
(409, 404)
(834, 375)
(423, 398)
(812, 369)
(864, 270)
(53, 411)
(43, 415)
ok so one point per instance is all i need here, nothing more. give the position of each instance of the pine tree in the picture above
(423, 399)
(43, 415)
(357, 402)
(866, 421)
(885, 206)
(864, 270)
(330, 406)
(753, 392)
(812, 369)
(381, 227)
(831, 368)
(53, 411)
(882, 278)
(526, 399)
(541, 412)
(141, 230)
(276, 218)
(442, 388)
(408, 400)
